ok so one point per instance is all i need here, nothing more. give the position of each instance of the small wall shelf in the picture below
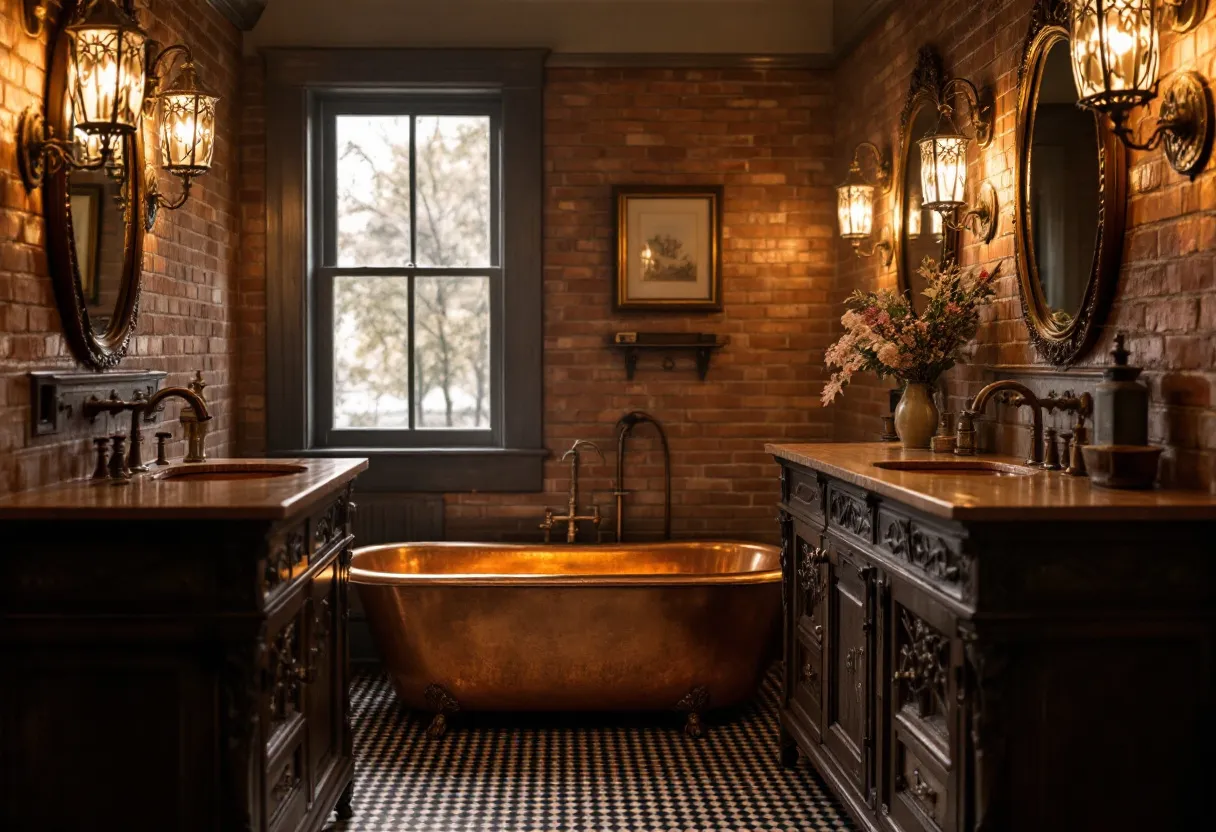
(632, 344)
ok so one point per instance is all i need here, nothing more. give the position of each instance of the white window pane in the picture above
(373, 190)
(371, 352)
(452, 352)
(453, 169)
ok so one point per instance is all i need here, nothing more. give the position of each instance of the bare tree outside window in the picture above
(438, 219)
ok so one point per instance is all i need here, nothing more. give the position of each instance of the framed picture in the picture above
(668, 248)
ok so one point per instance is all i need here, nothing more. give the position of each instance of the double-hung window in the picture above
(404, 263)
(408, 288)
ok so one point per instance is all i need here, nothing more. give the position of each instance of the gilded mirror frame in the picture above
(925, 90)
(98, 351)
(1067, 345)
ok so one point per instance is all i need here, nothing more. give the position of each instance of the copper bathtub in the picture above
(490, 627)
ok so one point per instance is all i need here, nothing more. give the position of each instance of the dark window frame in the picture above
(298, 81)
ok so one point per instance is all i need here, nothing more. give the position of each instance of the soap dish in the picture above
(1122, 466)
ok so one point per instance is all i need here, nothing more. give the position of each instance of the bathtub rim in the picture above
(371, 578)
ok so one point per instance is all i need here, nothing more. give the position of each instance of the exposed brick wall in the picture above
(1166, 298)
(764, 135)
(185, 318)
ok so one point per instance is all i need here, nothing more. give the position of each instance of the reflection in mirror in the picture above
(922, 229)
(99, 235)
(1065, 190)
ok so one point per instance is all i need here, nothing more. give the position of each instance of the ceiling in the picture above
(569, 26)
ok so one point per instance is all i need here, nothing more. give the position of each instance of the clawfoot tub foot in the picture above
(443, 704)
(694, 704)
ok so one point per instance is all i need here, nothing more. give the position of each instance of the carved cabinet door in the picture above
(850, 658)
(922, 738)
(809, 581)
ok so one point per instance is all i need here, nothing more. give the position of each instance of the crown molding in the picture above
(850, 30)
(243, 14)
(688, 60)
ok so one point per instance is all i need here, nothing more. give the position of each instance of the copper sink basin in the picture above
(228, 471)
(956, 467)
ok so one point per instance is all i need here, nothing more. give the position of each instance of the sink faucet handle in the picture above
(964, 434)
(102, 443)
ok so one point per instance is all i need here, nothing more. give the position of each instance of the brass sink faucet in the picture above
(140, 406)
(1023, 396)
(572, 518)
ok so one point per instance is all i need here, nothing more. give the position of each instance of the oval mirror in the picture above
(1071, 174)
(921, 231)
(95, 234)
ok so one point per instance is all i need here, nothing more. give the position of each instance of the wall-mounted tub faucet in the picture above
(624, 427)
(572, 518)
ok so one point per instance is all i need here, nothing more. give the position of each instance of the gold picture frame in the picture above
(668, 248)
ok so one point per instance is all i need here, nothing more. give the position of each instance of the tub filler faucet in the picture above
(572, 518)
(624, 428)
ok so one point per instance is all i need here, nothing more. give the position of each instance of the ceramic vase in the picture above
(916, 417)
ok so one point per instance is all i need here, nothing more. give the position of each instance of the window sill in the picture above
(444, 470)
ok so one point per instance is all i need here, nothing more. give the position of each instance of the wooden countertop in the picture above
(149, 498)
(1043, 495)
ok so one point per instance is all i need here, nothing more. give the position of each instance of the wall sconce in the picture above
(855, 204)
(1115, 60)
(110, 90)
(943, 164)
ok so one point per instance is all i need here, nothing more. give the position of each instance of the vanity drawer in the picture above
(925, 550)
(922, 798)
(850, 513)
(807, 700)
(804, 494)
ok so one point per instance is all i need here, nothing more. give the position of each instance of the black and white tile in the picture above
(578, 773)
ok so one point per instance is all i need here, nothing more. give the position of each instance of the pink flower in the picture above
(883, 319)
(953, 308)
(831, 390)
(888, 354)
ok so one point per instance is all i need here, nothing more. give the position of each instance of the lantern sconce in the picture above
(1115, 61)
(111, 89)
(855, 204)
(943, 165)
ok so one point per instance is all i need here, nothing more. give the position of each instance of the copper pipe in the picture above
(624, 428)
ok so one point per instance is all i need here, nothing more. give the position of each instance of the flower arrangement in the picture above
(885, 336)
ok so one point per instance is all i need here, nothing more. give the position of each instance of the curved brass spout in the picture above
(624, 427)
(1025, 396)
(189, 396)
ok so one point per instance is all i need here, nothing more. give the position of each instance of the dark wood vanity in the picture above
(970, 652)
(174, 653)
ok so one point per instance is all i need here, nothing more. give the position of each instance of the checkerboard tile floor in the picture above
(578, 773)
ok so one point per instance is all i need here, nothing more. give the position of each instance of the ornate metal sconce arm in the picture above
(883, 248)
(158, 69)
(154, 200)
(980, 220)
(979, 109)
(882, 164)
